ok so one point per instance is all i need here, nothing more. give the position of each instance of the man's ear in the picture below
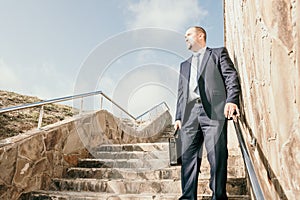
(201, 35)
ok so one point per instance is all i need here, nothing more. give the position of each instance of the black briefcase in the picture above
(175, 149)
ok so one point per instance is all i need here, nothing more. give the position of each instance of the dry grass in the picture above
(18, 122)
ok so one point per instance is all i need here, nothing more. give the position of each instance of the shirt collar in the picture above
(201, 51)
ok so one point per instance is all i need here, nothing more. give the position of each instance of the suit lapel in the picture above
(188, 67)
(186, 74)
(204, 60)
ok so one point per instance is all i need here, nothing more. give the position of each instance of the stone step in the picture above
(145, 150)
(235, 164)
(121, 173)
(148, 147)
(140, 173)
(144, 147)
(132, 155)
(236, 186)
(69, 195)
(124, 163)
(233, 160)
(158, 154)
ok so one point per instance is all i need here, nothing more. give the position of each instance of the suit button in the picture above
(198, 100)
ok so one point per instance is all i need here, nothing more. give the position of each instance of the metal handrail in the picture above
(154, 107)
(257, 191)
(45, 102)
(67, 98)
(113, 102)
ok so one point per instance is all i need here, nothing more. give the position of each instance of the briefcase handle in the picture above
(177, 133)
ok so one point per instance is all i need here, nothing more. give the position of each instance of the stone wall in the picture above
(263, 40)
(30, 160)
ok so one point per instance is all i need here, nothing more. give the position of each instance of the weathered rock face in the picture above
(263, 40)
(29, 161)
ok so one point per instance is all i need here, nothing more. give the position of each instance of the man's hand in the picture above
(231, 111)
(177, 125)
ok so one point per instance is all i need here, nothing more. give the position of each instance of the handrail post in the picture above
(166, 105)
(81, 105)
(101, 101)
(41, 117)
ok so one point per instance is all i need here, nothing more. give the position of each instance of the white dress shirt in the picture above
(195, 68)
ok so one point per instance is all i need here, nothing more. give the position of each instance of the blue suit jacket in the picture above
(218, 84)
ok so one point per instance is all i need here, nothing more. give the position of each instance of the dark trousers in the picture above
(196, 129)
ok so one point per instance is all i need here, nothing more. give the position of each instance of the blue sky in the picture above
(130, 49)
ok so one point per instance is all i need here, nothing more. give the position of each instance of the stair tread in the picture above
(119, 159)
(135, 147)
(122, 169)
(158, 146)
(106, 196)
(163, 157)
(137, 171)
(206, 178)
(138, 144)
(145, 153)
(125, 186)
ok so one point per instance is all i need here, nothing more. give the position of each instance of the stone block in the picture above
(23, 172)
(52, 139)
(32, 148)
(8, 160)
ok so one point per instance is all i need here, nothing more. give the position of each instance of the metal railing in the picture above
(258, 194)
(78, 96)
(154, 108)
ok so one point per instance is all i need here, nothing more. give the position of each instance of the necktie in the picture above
(193, 76)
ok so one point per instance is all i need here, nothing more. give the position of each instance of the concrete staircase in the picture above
(136, 172)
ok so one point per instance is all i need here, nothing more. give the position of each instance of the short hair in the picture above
(200, 29)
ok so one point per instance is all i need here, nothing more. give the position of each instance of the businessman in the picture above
(208, 95)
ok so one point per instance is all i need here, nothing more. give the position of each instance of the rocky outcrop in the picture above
(263, 40)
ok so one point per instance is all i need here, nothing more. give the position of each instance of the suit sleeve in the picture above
(230, 77)
(178, 114)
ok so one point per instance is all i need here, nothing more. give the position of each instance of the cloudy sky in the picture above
(130, 49)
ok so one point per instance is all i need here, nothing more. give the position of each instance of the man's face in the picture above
(191, 38)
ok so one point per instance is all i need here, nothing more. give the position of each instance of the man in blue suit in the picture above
(208, 95)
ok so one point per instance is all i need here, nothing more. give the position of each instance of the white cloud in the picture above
(170, 14)
(145, 97)
(176, 15)
(145, 86)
